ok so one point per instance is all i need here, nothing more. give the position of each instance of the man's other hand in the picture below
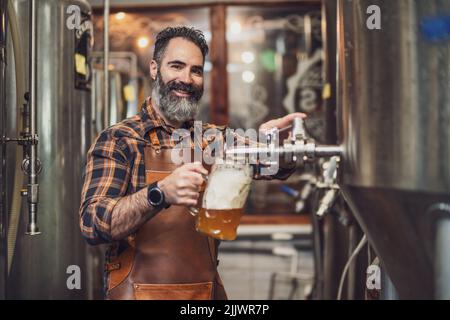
(281, 123)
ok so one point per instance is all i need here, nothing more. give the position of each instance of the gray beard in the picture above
(174, 108)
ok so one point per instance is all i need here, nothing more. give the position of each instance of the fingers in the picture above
(192, 195)
(191, 184)
(288, 119)
(188, 198)
(281, 123)
(189, 180)
(196, 167)
(268, 125)
(191, 203)
(293, 115)
(182, 186)
(192, 179)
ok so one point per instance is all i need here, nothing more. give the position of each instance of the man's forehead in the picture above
(180, 49)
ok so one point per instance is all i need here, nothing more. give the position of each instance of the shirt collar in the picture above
(152, 120)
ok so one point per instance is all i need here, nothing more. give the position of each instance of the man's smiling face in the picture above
(178, 80)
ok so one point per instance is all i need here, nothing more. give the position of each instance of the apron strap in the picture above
(212, 244)
(200, 143)
(213, 250)
(154, 140)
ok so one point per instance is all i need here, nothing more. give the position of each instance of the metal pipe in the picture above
(3, 212)
(299, 147)
(328, 151)
(298, 129)
(442, 256)
(120, 55)
(318, 253)
(15, 207)
(33, 187)
(309, 149)
(133, 73)
(327, 202)
(106, 62)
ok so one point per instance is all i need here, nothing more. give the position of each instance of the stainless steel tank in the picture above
(40, 263)
(394, 99)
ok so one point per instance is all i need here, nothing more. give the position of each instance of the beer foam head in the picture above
(227, 187)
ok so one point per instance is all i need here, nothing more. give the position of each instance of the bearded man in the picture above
(137, 200)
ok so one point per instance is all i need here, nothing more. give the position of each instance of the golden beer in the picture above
(221, 205)
(220, 224)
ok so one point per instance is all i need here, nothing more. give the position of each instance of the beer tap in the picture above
(302, 195)
(296, 149)
(330, 185)
(306, 192)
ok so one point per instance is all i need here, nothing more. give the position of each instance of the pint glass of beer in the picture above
(224, 199)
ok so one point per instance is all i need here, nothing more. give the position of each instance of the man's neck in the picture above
(174, 124)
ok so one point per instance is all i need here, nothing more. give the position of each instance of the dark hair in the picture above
(191, 34)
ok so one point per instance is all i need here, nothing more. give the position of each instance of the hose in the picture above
(355, 253)
(14, 215)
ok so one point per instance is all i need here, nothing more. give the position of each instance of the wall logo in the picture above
(373, 281)
(74, 280)
(74, 19)
(373, 22)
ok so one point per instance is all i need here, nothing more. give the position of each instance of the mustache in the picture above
(195, 91)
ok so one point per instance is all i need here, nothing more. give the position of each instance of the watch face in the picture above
(155, 196)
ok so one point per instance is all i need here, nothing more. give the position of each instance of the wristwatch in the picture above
(156, 196)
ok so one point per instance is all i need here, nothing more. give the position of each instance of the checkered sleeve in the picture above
(106, 177)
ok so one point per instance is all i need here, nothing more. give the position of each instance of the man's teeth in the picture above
(182, 92)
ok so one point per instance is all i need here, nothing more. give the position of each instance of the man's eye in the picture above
(197, 72)
(176, 67)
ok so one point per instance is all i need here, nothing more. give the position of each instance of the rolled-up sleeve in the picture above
(106, 178)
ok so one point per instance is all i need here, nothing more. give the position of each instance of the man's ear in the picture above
(153, 69)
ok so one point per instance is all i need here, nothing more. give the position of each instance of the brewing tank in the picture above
(394, 102)
(41, 264)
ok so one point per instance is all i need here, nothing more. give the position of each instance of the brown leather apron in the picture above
(167, 259)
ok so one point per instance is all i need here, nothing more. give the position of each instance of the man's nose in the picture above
(186, 77)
